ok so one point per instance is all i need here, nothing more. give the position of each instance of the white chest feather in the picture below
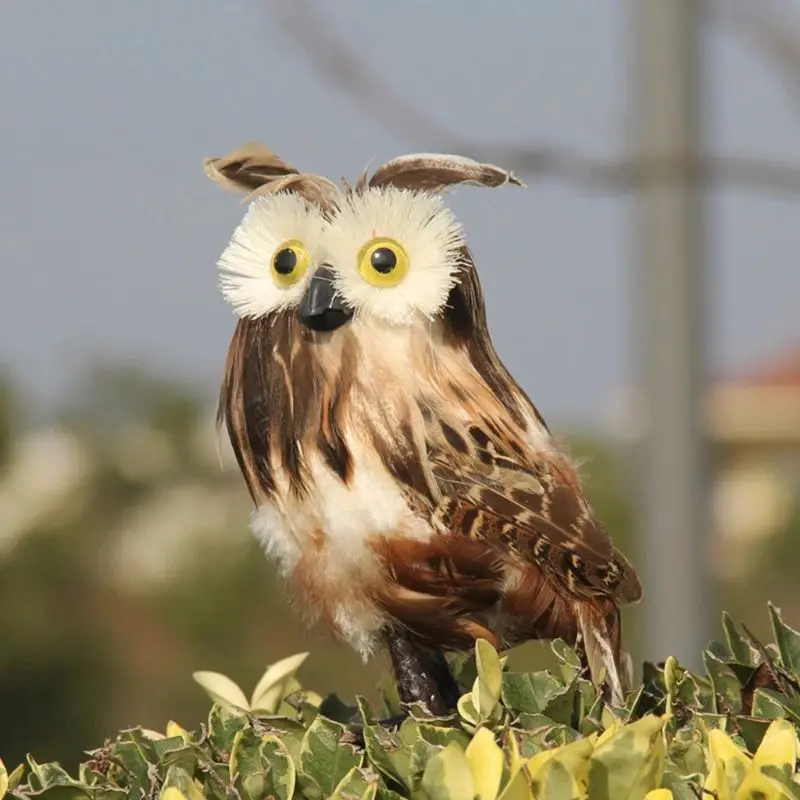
(327, 533)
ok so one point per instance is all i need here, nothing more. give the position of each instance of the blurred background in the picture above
(644, 289)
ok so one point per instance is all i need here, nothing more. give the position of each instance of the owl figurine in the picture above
(407, 488)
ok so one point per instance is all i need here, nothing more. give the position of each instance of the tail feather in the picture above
(608, 663)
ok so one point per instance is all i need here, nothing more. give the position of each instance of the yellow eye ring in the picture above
(383, 262)
(289, 263)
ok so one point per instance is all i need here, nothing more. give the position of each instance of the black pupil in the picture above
(285, 261)
(383, 260)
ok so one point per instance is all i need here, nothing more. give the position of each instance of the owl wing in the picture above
(531, 509)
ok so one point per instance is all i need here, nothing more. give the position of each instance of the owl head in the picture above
(385, 252)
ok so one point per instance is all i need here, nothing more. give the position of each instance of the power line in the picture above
(337, 64)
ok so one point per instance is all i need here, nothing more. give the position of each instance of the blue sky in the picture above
(109, 231)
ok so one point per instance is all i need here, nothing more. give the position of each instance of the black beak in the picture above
(322, 307)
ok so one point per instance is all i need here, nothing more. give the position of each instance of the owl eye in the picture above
(383, 262)
(289, 263)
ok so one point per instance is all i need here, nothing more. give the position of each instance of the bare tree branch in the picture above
(770, 27)
(333, 59)
(337, 63)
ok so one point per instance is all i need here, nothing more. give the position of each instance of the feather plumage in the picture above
(401, 476)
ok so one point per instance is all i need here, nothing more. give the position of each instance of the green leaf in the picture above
(382, 748)
(567, 658)
(64, 793)
(726, 686)
(441, 737)
(135, 772)
(366, 711)
(385, 793)
(50, 774)
(448, 776)
(686, 754)
(529, 691)
(787, 639)
(739, 647)
(560, 735)
(421, 753)
(324, 757)
(390, 698)
(752, 731)
(355, 785)
(223, 725)
(247, 771)
(681, 789)
(280, 778)
(3, 780)
(561, 708)
(770, 704)
(630, 762)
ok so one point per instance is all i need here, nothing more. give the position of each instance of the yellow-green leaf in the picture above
(758, 785)
(179, 780)
(371, 792)
(485, 760)
(267, 693)
(658, 794)
(15, 777)
(554, 781)
(270, 701)
(447, 776)
(560, 772)
(777, 748)
(630, 762)
(467, 711)
(515, 760)
(171, 793)
(607, 733)
(3, 779)
(535, 763)
(729, 766)
(518, 788)
(173, 729)
(486, 692)
(221, 689)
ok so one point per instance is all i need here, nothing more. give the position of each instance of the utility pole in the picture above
(670, 270)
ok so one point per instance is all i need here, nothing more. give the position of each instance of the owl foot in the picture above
(422, 674)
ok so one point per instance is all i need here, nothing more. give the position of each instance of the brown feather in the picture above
(442, 589)
(434, 172)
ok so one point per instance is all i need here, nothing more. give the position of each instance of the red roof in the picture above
(781, 371)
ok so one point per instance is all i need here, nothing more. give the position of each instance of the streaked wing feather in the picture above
(529, 509)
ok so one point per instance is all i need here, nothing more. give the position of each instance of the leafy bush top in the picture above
(729, 734)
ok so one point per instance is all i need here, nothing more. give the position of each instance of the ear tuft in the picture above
(314, 189)
(256, 170)
(433, 172)
(247, 168)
